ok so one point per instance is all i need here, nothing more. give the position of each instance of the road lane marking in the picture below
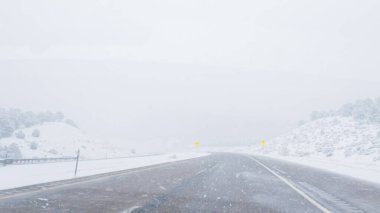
(303, 194)
(280, 171)
(337, 202)
(131, 209)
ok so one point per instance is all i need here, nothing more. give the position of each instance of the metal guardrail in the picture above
(15, 161)
(10, 161)
(121, 157)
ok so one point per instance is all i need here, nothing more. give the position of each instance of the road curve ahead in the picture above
(217, 183)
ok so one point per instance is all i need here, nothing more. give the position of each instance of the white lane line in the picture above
(131, 209)
(346, 207)
(304, 195)
(280, 171)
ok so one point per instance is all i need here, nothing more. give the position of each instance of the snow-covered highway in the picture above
(216, 183)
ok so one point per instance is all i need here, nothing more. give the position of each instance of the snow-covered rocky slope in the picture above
(334, 137)
(350, 133)
(54, 139)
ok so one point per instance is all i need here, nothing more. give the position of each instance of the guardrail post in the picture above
(76, 164)
(5, 159)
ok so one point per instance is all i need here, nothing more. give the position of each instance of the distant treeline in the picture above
(13, 119)
(367, 110)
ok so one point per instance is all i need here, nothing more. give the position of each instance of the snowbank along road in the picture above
(216, 183)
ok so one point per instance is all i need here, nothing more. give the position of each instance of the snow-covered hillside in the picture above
(332, 137)
(350, 133)
(54, 139)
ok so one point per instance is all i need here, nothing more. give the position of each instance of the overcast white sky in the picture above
(224, 72)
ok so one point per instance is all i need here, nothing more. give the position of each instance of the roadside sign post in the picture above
(76, 164)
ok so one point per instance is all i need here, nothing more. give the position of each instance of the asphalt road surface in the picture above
(217, 183)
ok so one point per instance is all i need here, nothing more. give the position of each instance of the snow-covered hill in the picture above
(53, 139)
(331, 137)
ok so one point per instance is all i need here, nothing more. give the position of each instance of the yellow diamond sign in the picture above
(197, 144)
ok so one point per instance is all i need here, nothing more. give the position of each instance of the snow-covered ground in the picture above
(57, 139)
(335, 143)
(22, 175)
(340, 138)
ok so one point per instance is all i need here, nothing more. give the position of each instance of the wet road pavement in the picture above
(217, 183)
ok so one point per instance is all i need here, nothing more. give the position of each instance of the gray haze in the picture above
(223, 72)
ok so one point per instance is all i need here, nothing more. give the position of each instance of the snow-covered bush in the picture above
(36, 133)
(53, 151)
(367, 110)
(14, 151)
(13, 119)
(11, 151)
(20, 134)
(33, 146)
(5, 128)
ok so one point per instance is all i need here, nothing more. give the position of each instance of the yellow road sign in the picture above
(263, 143)
(197, 144)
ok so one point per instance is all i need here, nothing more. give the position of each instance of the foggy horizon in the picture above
(212, 71)
(122, 103)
